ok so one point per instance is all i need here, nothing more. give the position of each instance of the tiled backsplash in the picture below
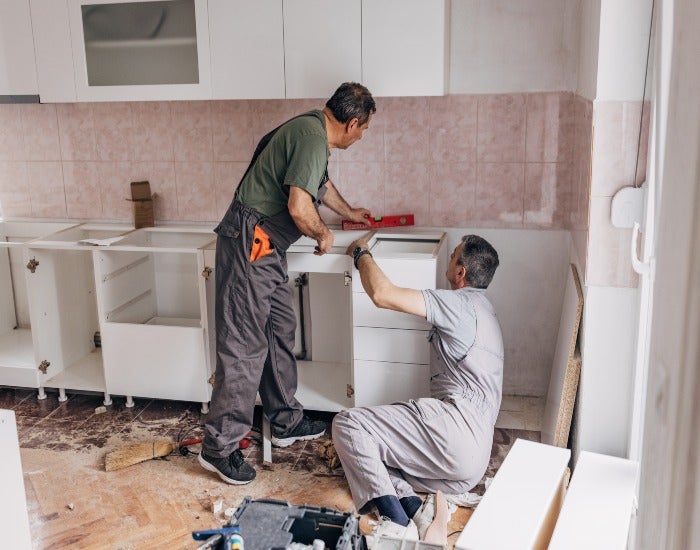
(499, 161)
(462, 160)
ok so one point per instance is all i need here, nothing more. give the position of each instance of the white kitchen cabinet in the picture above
(322, 46)
(17, 61)
(152, 303)
(247, 49)
(18, 364)
(53, 49)
(126, 50)
(63, 308)
(405, 47)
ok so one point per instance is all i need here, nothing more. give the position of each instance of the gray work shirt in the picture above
(466, 355)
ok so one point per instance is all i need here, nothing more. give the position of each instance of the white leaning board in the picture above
(597, 508)
(14, 522)
(522, 502)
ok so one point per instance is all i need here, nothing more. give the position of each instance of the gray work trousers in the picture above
(424, 445)
(255, 330)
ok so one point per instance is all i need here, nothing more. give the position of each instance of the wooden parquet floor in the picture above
(74, 503)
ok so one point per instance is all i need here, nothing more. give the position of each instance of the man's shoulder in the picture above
(311, 122)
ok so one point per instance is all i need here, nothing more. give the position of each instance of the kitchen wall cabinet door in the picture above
(322, 46)
(405, 45)
(17, 61)
(54, 52)
(247, 49)
(126, 50)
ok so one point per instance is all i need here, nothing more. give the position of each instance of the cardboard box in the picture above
(143, 204)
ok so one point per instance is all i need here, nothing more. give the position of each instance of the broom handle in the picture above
(187, 442)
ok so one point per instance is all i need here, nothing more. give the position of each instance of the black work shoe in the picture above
(306, 430)
(232, 469)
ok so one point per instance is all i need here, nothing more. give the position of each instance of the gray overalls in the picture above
(438, 443)
(255, 324)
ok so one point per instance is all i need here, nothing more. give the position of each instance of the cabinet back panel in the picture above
(330, 315)
(177, 285)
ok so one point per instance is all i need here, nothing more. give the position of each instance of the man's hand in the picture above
(324, 243)
(354, 244)
(361, 215)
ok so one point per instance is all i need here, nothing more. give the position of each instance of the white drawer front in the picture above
(381, 383)
(392, 345)
(403, 272)
(366, 314)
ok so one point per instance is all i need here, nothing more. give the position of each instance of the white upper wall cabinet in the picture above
(17, 64)
(148, 50)
(54, 54)
(405, 45)
(247, 49)
(322, 46)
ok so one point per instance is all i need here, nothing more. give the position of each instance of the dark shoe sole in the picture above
(287, 441)
(207, 466)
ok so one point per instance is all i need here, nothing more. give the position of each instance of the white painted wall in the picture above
(589, 24)
(503, 46)
(527, 293)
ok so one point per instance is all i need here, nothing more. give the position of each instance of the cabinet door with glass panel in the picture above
(140, 50)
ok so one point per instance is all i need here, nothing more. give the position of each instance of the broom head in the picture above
(134, 453)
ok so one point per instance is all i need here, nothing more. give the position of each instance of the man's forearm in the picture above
(305, 215)
(334, 200)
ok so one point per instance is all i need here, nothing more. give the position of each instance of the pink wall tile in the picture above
(46, 189)
(115, 188)
(500, 191)
(550, 127)
(161, 177)
(362, 185)
(232, 125)
(407, 190)
(152, 137)
(616, 132)
(15, 199)
(83, 193)
(501, 128)
(113, 130)
(192, 130)
(11, 133)
(452, 193)
(76, 131)
(453, 128)
(196, 193)
(609, 262)
(547, 194)
(40, 127)
(227, 176)
(407, 132)
(370, 148)
(268, 114)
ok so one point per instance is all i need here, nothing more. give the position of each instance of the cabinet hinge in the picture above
(347, 280)
(211, 380)
(44, 366)
(350, 391)
(31, 266)
(206, 272)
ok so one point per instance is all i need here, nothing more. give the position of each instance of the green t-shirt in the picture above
(296, 155)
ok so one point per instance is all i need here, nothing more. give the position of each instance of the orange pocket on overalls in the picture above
(261, 245)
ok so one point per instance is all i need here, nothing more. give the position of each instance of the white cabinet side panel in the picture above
(14, 521)
(247, 49)
(322, 46)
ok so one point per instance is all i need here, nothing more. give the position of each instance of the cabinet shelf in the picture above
(86, 374)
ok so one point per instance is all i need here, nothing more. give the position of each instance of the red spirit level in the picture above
(380, 221)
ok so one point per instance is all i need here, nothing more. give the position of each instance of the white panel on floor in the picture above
(14, 522)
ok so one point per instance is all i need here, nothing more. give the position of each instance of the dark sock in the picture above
(389, 506)
(411, 504)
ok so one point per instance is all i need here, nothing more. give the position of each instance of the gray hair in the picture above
(480, 260)
(351, 100)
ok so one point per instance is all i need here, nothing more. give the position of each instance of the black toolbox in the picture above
(267, 524)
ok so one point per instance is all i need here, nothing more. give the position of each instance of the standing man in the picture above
(440, 443)
(276, 203)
